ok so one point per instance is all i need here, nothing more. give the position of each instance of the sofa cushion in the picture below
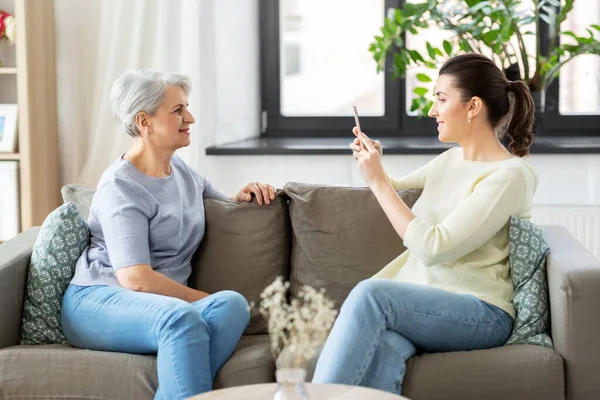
(62, 238)
(64, 372)
(245, 247)
(527, 260)
(71, 373)
(508, 372)
(251, 363)
(340, 236)
(80, 195)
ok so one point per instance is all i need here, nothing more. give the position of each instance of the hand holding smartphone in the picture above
(357, 123)
(375, 143)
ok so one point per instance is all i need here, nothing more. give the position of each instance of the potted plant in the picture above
(296, 329)
(496, 28)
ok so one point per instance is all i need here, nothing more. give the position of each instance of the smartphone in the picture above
(356, 119)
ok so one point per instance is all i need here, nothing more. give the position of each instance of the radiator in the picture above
(582, 221)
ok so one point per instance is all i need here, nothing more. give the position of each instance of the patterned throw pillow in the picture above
(527, 259)
(62, 238)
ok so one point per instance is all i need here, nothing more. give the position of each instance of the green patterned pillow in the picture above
(527, 259)
(62, 238)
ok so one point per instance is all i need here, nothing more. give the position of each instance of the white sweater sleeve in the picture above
(417, 178)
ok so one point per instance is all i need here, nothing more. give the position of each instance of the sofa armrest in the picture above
(574, 285)
(14, 264)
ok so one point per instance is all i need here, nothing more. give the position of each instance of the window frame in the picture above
(553, 122)
(395, 122)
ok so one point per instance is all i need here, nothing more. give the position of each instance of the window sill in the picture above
(405, 145)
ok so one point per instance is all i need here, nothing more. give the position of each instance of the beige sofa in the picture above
(324, 237)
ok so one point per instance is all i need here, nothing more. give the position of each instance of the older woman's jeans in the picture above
(193, 340)
(383, 322)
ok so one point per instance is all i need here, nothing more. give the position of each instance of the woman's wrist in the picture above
(380, 184)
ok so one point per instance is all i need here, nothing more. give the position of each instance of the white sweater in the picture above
(459, 240)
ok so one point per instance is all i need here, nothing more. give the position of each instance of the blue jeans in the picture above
(383, 322)
(193, 340)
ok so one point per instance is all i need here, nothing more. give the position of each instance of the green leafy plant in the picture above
(496, 28)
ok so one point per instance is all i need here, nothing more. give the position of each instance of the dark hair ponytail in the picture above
(520, 128)
(477, 75)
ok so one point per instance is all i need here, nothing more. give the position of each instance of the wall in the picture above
(564, 179)
(219, 52)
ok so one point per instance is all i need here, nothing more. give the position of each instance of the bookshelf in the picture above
(28, 78)
(10, 156)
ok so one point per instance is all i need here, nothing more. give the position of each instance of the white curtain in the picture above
(215, 42)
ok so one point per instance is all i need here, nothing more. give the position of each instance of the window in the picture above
(573, 100)
(291, 54)
(332, 68)
(315, 65)
(580, 79)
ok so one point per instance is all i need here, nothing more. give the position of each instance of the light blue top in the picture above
(139, 219)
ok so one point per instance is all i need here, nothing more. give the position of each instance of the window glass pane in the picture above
(436, 35)
(326, 66)
(580, 77)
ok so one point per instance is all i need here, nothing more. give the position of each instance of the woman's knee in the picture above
(182, 317)
(365, 289)
(234, 305)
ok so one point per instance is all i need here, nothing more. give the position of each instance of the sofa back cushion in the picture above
(245, 247)
(340, 236)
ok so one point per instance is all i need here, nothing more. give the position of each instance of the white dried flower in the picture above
(299, 326)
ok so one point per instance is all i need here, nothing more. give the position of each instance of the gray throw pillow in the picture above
(60, 242)
(527, 259)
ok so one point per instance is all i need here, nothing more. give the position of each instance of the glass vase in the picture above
(290, 384)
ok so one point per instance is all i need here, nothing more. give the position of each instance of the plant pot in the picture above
(539, 98)
(513, 72)
(290, 384)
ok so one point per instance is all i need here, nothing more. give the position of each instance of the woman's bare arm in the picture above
(142, 278)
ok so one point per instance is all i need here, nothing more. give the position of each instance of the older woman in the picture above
(129, 292)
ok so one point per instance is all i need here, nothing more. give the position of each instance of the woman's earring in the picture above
(469, 121)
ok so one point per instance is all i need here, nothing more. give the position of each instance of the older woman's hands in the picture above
(263, 192)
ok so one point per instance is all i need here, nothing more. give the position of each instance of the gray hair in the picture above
(142, 91)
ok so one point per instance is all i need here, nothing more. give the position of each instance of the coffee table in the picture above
(265, 391)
